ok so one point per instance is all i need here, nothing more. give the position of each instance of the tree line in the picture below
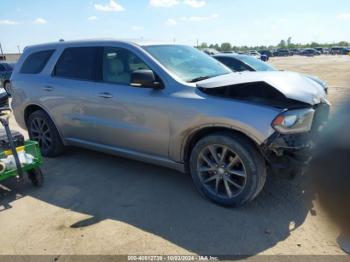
(226, 46)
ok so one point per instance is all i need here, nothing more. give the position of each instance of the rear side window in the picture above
(36, 62)
(77, 63)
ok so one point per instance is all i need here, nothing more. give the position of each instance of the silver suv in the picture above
(171, 105)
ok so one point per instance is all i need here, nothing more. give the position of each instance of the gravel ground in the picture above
(98, 204)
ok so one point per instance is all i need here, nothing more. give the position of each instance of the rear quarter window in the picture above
(36, 62)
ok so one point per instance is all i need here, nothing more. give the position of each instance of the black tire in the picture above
(251, 164)
(36, 177)
(48, 137)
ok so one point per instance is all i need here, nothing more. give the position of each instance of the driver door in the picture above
(127, 117)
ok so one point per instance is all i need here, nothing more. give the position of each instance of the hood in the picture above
(292, 85)
(319, 81)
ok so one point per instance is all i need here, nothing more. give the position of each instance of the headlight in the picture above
(294, 121)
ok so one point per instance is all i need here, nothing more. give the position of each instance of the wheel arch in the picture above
(200, 133)
(31, 108)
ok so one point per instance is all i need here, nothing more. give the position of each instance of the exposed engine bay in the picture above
(256, 92)
(281, 150)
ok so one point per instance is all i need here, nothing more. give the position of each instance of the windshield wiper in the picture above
(200, 78)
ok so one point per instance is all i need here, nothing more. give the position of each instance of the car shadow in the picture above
(165, 203)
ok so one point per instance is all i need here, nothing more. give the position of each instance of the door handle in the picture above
(105, 95)
(48, 88)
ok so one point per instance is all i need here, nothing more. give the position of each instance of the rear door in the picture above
(69, 93)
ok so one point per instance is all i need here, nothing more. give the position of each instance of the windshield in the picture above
(257, 64)
(188, 63)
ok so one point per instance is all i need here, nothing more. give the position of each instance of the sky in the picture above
(254, 22)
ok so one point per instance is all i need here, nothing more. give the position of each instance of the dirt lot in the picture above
(332, 69)
(98, 204)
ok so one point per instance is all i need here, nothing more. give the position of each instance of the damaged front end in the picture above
(293, 150)
(302, 103)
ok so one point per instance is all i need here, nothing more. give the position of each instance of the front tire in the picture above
(227, 169)
(43, 130)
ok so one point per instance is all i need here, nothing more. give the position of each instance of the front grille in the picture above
(321, 117)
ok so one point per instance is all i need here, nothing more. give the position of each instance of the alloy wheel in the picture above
(40, 132)
(221, 171)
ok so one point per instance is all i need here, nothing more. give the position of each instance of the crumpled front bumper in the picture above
(288, 151)
(295, 150)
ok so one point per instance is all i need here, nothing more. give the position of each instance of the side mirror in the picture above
(144, 79)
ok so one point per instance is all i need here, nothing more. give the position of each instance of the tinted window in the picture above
(257, 64)
(118, 64)
(2, 68)
(77, 63)
(36, 62)
(234, 64)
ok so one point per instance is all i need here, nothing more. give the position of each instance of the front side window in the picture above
(77, 63)
(187, 63)
(36, 62)
(118, 65)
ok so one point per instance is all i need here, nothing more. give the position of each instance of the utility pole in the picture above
(19, 49)
(197, 43)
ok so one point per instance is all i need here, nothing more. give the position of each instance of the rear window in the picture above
(77, 63)
(36, 62)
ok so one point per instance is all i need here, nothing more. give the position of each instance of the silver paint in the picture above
(147, 124)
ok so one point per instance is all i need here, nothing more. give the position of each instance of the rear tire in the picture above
(42, 129)
(36, 177)
(228, 169)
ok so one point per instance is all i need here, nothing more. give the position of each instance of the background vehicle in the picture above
(296, 51)
(326, 51)
(210, 51)
(6, 69)
(339, 51)
(171, 105)
(320, 49)
(255, 54)
(282, 52)
(228, 52)
(310, 52)
(239, 63)
(268, 53)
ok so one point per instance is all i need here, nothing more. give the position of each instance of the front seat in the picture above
(115, 72)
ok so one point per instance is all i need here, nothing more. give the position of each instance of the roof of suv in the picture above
(97, 42)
